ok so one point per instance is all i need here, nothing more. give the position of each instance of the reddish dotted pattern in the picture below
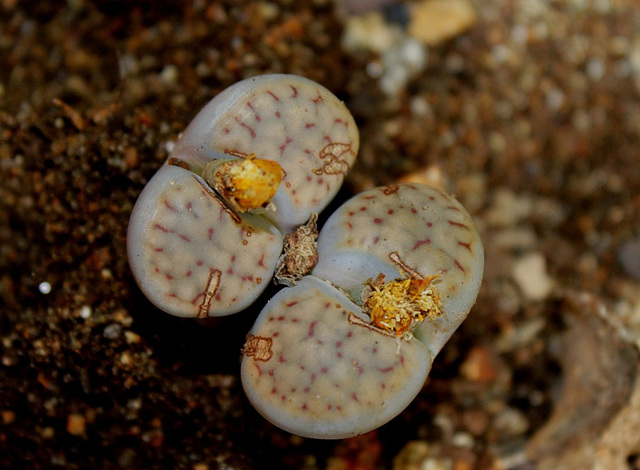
(191, 255)
(408, 229)
(291, 120)
(328, 372)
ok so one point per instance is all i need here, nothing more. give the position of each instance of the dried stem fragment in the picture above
(259, 347)
(300, 253)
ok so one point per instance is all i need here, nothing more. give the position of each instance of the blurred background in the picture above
(528, 111)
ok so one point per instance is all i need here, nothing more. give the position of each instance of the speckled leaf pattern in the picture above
(191, 255)
(317, 371)
(403, 229)
(285, 118)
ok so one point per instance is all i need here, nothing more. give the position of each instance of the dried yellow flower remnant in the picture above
(399, 306)
(246, 183)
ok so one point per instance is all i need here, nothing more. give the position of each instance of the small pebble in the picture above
(85, 312)
(530, 274)
(76, 424)
(112, 331)
(629, 258)
(44, 288)
(436, 21)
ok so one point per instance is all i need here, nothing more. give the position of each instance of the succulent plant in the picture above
(255, 163)
(351, 345)
(370, 301)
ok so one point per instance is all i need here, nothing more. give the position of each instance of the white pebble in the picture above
(530, 273)
(85, 312)
(44, 288)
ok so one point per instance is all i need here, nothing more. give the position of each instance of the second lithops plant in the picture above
(393, 273)
(351, 345)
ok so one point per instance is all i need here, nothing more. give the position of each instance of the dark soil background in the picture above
(531, 118)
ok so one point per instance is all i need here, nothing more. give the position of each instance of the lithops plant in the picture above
(351, 345)
(255, 163)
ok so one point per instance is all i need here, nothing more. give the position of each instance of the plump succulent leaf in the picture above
(406, 230)
(315, 367)
(193, 256)
(284, 118)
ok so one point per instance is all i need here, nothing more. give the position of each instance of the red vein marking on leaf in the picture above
(169, 277)
(385, 369)
(376, 240)
(402, 360)
(212, 286)
(163, 229)
(247, 278)
(261, 261)
(312, 378)
(377, 221)
(209, 192)
(287, 141)
(354, 397)
(318, 99)
(419, 243)
(291, 304)
(414, 210)
(188, 274)
(273, 95)
(158, 249)
(340, 121)
(254, 110)
(429, 224)
(309, 125)
(312, 328)
(251, 130)
(295, 91)
(459, 266)
(466, 245)
(184, 237)
(210, 233)
(277, 114)
(458, 224)
(324, 370)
